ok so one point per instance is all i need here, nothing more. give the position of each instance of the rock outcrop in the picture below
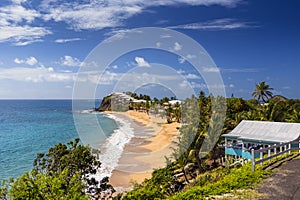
(115, 102)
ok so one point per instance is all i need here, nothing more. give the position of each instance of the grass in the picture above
(222, 182)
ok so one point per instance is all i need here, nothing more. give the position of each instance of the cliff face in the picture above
(115, 102)
(105, 104)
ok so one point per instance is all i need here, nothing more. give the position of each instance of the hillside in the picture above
(116, 102)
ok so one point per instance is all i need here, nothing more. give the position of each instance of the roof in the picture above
(173, 102)
(263, 131)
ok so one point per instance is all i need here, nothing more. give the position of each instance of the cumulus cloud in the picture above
(141, 62)
(177, 46)
(181, 60)
(70, 61)
(15, 24)
(22, 35)
(35, 75)
(29, 61)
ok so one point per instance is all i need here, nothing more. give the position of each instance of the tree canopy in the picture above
(65, 172)
(262, 91)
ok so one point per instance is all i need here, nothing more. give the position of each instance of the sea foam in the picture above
(113, 147)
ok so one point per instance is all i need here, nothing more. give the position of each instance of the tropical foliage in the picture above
(194, 173)
(262, 91)
(199, 116)
(64, 172)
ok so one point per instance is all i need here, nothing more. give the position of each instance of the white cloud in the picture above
(218, 24)
(158, 44)
(198, 85)
(181, 60)
(70, 61)
(29, 61)
(190, 56)
(211, 69)
(242, 70)
(92, 15)
(17, 13)
(18, 1)
(192, 76)
(177, 46)
(22, 35)
(107, 78)
(66, 40)
(15, 25)
(184, 84)
(180, 71)
(231, 85)
(27, 42)
(18, 61)
(141, 62)
(103, 14)
(35, 75)
(18, 17)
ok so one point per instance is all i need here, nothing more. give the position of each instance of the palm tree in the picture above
(262, 91)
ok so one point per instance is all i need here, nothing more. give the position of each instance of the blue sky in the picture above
(43, 44)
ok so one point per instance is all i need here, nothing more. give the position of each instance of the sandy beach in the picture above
(146, 151)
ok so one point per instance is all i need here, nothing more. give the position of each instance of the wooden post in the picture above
(280, 148)
(290, 147)
(285, 150)
(243, 149)
(261, 155)
(226, 158)
(275, 151)
(253, 159)
(269, 153)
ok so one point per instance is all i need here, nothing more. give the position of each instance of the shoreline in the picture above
(145, 151)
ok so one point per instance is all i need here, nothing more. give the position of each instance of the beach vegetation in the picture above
(262, 92)
(65, 171)
(194, 170)
(207, 177)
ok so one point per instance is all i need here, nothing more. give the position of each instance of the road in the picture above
(284, 184)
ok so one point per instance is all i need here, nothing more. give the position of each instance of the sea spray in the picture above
(113, 147)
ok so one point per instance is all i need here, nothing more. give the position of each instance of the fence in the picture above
(273, 151)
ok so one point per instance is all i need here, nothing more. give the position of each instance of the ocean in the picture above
(28, 127)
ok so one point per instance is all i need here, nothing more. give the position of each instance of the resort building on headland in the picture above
(249, 135)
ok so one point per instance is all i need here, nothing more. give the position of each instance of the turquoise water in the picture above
(28, 127)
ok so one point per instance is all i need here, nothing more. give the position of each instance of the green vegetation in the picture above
(262, 91)
(162, 184)
(216, 182)
(195, 172)
(198, 116)
(64, 173)
(222, 182)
